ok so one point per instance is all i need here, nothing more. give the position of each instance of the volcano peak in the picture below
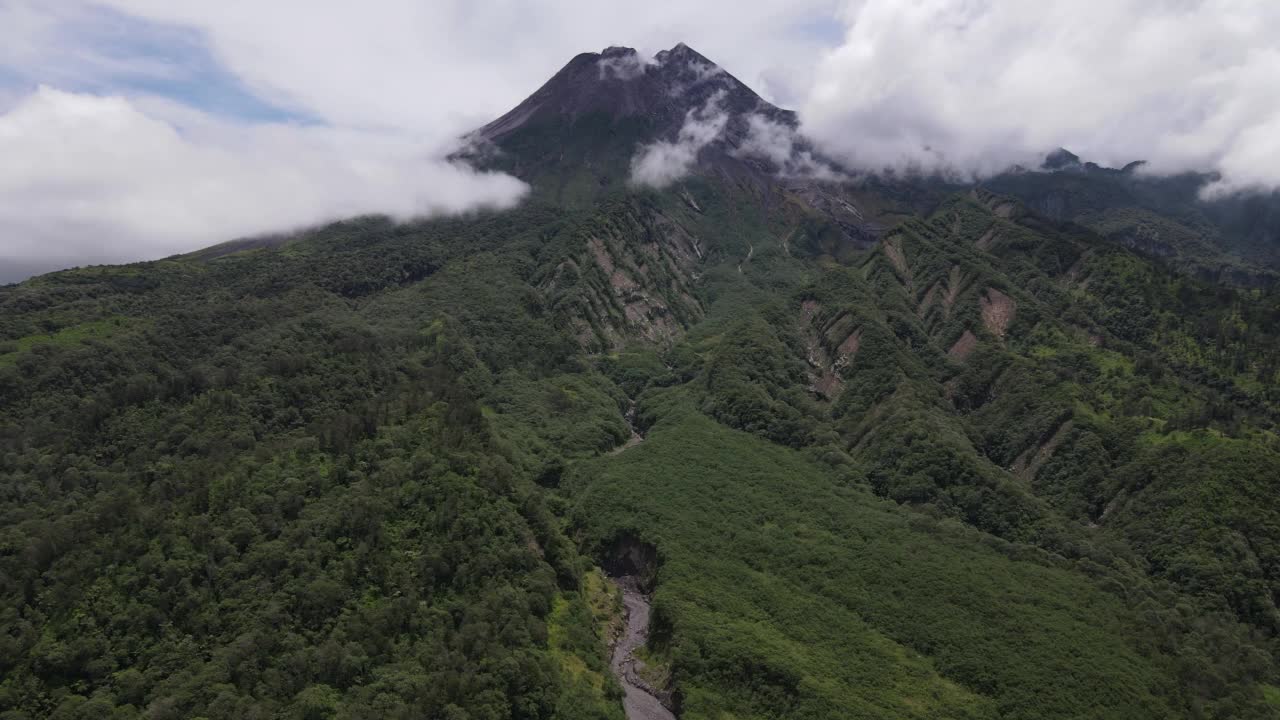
(619, 83)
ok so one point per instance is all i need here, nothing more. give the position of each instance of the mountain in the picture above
(621, 85)
(1232, 238)
(874, 447)
(590, 115)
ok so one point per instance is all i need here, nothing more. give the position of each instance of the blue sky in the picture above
(134, 56)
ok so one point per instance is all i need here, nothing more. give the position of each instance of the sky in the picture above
(136, 129)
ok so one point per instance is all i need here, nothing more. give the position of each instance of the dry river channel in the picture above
(641, 701)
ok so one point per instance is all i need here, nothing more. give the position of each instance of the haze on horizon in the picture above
(135, 129)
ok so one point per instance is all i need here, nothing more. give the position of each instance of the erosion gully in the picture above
(642, 700)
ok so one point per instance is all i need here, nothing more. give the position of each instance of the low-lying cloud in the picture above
(623, 66)
(95, 179)
(973, 86)
(662, 163)
(782, 146)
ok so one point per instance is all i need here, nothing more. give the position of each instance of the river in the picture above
(641, 701)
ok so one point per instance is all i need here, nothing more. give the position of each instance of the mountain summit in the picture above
(587, 130)
(622, 85)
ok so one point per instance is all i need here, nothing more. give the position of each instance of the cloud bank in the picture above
(86, 176)
(785, 149)
(976, 85)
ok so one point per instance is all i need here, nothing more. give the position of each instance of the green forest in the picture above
(994, 465)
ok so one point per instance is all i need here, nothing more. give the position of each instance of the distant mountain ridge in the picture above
(1232, 238)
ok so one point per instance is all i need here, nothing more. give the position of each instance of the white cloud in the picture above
(89, 178)
(623, 67)
(976, 85)
(781, 145)
(70, 42)
(1252, 161)
(451, 65)
(662, 163)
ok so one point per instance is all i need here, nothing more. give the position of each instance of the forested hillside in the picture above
(1180, 220)
(876, 449)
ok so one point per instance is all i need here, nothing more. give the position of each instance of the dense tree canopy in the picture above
(994, 467)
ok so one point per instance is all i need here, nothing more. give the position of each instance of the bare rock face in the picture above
(964, 346)
(997, 311)
(832, 341)
(632, 279)
(620, 84)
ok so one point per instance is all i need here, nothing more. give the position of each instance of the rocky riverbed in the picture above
(642, 701)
